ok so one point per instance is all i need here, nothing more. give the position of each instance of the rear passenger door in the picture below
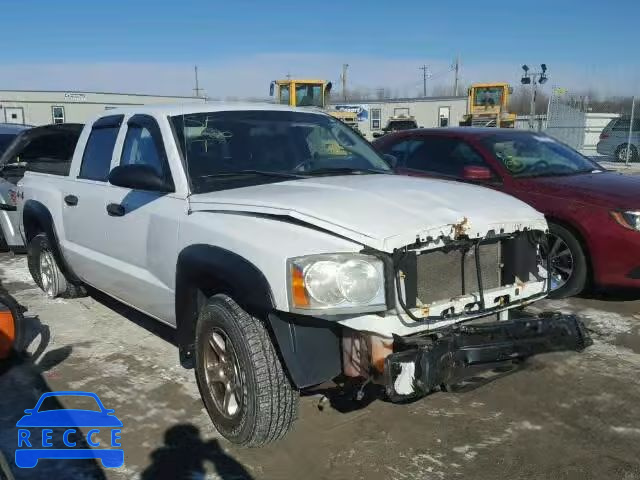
(142, 225)
(86, 238)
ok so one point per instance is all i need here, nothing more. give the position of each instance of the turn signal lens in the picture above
(300, 298)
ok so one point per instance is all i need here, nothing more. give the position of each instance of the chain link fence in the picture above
(607, 131)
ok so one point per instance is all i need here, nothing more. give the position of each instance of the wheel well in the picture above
(32, 227)
(581, 240)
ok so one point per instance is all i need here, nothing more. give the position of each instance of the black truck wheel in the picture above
(46, 272)
(241, 380)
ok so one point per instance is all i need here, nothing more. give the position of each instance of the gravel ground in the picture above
(561, 415)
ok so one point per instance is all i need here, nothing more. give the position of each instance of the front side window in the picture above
(140, 149)
(536, 155)
(57, 114)
(285, 94)
(309, 95)
(96, 161)
(443, 155)
(270, 146)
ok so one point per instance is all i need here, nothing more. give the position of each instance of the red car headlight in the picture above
(629, 219)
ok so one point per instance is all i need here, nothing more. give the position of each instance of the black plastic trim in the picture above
(109, 121)
(310, 348)
(205, 270)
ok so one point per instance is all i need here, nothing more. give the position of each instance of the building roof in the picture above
(189, 108)
(402, 100)
(97, 93)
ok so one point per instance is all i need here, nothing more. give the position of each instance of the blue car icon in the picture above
(38, 444)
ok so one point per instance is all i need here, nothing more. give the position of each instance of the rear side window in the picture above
(622, 125)
(96, 160)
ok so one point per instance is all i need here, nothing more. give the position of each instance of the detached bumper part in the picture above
(419, 364)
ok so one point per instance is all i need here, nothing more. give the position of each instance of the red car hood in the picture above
(607, 189)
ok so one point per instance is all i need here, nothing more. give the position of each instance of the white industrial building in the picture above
(31, 107)
(429, 112)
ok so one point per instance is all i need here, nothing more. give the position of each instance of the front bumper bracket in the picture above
(419, 364)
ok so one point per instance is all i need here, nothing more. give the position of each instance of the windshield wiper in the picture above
(264, 173)
(346, 171)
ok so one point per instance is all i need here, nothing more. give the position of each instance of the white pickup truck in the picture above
(286, 253)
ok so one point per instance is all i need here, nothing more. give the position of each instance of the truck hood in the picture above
(384, 212)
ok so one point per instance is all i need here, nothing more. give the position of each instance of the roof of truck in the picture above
(189, 108)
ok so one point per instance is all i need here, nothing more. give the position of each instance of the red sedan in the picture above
(593, 214)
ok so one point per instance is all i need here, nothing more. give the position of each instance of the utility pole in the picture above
(343, 77)
(456, 69)
(424, 69)
(197, 90)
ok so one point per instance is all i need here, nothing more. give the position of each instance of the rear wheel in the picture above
(241, 380)
(567, 261)
(46, 272)
(625, 149)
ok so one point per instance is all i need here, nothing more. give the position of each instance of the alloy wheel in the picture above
(561, 261)
(223, 374)
(47, 272)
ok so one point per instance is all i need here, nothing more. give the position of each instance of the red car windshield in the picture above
(537, 155)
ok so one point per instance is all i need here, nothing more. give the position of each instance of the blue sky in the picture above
(151, 46)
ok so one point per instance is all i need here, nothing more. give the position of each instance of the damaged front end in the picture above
(462, 298)
(420, 364)
(468, 278)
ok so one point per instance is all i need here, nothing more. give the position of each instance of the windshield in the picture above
(537, 155)
(488, 96)
(289, 144)
(309, 95)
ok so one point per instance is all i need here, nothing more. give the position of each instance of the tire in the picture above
(4, 247)
(264, 404)
(46, 272)
(621, 155)
(577, 280)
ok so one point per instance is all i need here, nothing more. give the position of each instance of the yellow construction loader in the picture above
(487, 106)
(309, 93)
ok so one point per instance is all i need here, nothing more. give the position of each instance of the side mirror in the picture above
(477, 173)
(29, 411)
(377, 134)
(272, 88)
(328, 88)
(138, 177)
(391, 160)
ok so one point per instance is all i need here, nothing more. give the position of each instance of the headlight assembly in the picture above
(336, 283)
(629, 219)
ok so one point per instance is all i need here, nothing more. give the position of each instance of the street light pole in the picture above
(533, 78)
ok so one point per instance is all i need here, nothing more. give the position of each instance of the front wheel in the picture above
(241, 380)
(567, 261)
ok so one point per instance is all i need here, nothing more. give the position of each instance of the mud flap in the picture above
(420, 364)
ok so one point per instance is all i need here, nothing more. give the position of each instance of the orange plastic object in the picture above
(7, 332)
